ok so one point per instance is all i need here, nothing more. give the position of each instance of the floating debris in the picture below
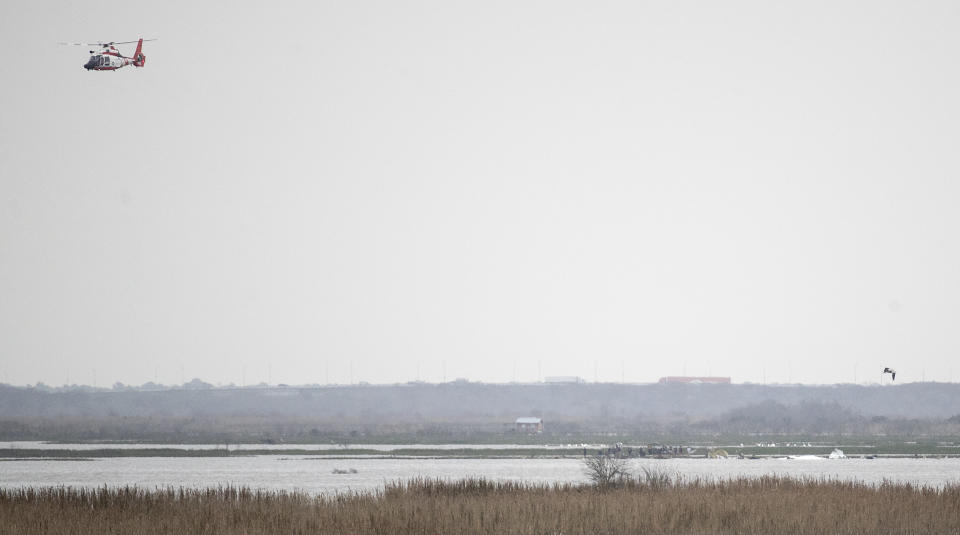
(342, 471)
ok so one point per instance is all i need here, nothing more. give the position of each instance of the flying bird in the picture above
(892, 372)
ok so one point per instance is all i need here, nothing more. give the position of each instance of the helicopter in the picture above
(110, 59)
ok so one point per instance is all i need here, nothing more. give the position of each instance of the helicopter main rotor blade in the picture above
(105, 44)
(127, 42)
(86, 44)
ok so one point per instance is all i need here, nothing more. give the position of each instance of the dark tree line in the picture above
(457, 411)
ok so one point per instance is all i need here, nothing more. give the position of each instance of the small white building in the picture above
(529, 424)
(563, 380)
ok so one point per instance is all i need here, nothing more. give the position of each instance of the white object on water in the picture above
(837, 453)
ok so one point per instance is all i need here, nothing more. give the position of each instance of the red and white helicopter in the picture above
(110, 59)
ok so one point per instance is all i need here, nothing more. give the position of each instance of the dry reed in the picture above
(659, 505)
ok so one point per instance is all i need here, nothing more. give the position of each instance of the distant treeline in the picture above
(465, 411)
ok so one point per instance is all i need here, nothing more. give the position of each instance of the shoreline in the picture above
(411, 453)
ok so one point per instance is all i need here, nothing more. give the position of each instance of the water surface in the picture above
(315, 475)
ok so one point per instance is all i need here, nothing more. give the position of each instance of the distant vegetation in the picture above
(475, 412)
(645, 505)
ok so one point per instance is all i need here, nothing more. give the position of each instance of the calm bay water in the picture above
(315, 475)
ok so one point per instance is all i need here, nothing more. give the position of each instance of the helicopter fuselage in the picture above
(106, 61)
(110, 59)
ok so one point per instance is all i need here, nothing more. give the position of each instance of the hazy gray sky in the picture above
(489, 190)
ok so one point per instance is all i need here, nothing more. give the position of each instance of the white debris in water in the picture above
(837, 453)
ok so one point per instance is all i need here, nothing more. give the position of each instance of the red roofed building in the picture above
(529, 424)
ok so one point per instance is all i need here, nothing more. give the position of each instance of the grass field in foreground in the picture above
(648, 505)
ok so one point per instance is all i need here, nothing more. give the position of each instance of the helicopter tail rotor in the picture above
(139, 60)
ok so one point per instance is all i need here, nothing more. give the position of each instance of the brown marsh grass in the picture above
(768, 505)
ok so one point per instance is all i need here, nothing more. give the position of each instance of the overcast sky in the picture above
(326, 191)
